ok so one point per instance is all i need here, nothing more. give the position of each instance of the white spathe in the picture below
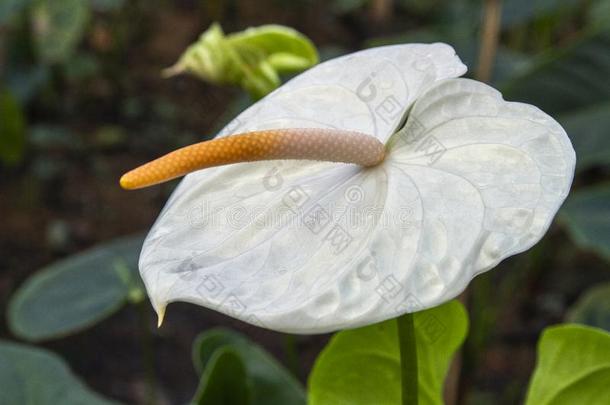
(311, 247)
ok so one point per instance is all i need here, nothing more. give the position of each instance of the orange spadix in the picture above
(330, 145)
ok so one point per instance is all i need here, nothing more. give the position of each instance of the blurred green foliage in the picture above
(30, 375)
(251, 372)
(57, 27)
(566, 81)
(573, 367)
(77, 292)
(12, 129)
(587, 215)
(224, 381)
(592, 308)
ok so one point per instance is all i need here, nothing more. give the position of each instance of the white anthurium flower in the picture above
(298, 246)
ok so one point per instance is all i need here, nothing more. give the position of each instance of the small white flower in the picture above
(308, 247)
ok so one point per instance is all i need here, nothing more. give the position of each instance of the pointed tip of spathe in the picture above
(160, 315)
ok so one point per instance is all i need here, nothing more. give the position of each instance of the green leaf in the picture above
(362, 366)
(422, 7)
(260, 80)
(25, 81)
(29, 375)
(599, 14)
(10, 8)
(252, 59)
(47, 137)
(270, 382)
(346, 6)
(589, 131)
(77, 292)
(573, 367)
(593, 308)
(12, 129)
(224, 380)
(106, 5)
(82, 66)
(566, 80)
(587, 216)
(286, 49)
(517, 12)
(58, 26)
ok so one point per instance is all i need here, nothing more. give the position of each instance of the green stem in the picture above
(408, 359)
(292, 356)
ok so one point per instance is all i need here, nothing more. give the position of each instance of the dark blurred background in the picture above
(83, 101)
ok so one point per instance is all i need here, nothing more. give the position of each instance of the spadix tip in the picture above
(126, 182)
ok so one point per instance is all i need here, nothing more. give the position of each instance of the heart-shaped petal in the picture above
(311, 247)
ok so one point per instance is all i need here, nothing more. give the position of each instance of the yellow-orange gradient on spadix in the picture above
(330, 145)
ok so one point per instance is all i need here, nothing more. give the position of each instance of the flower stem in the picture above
(292, 355)
(408, 359)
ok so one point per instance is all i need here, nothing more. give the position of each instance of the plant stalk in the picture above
(381, 10)
(292, 355)
(490, 32)
(408, 359)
